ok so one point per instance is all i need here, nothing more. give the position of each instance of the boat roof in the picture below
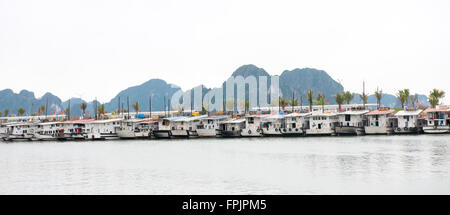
(49, 123)
(380, 112)
(438, 109)
(148, 122)
(106, 121)
(354, 112)
(274, 117)
(81, 121)
(217, 117)
(174, 118)
(409, 112)
(234, 121)
(298, 114)
(320, 113)
(190, 119)
(257, 115)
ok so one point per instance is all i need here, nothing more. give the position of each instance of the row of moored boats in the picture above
(353, 121)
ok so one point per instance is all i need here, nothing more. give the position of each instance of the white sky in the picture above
(97, 48)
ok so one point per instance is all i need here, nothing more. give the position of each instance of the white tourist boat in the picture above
(103, 129)
(192, 124)
(130, 129)
(232, 127)
(409, 121)
(438, 120)
(272, 125)
(322, 123)
(48, 131)
(19, 131)
(351, 122)
(296, 124)
(380, 122)
(209, 126)
(165, 127)
(253, 126)
(77, 129)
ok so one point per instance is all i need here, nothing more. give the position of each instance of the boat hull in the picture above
(162, 134)
(378, 130)
(251, 132)
(436, 130)
(206, 132)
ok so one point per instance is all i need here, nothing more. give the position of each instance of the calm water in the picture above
(311, 165)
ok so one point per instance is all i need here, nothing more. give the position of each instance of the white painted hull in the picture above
(206, 132)
(44, 137)
(179, 133)
(320, 132)
(161, 134)
(436, 130)
(378, 130)
(251, 132)
(292, 131)
(127, 134)
(271, 132)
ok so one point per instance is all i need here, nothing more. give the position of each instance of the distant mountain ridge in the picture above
(297, 80)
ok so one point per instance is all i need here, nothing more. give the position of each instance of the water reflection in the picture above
(308, 165)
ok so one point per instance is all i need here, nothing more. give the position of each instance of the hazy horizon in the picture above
(97, 48)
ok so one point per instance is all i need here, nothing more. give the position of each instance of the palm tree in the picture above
(407, 94)
(136, 107)
(20, 111)
(435, 96)
(283, 102)
(6, 112)
(401, 97)
(101, 109)
(413, 99)
(348, 96)
(0, 114)
(66, 111)
(247, 106)
(42, 109)
(339, 98)
(321, 100)
(378, 95)
(364, 98)
(83, 107)
(293, 103)
(310, 99)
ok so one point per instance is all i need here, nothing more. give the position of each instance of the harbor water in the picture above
(412, 164)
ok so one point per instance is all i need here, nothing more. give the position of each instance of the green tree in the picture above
(83, 107)
(66, 111)
(401, 96)
(283, 103)
(379, 95)
(101, 109)
(20, 112)
(310, 98)
(42, 110)
(348, 96)
(321, 100)
(435, 96)
(407, 94)
(413, 99)
(6, 112)
(1, 114)
(339, 98)
(364, 98)
(136, 107)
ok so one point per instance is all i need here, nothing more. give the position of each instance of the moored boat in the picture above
(438, 120)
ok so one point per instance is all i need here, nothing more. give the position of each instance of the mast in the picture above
(46, 107)
(168, 107)
(150, 106)
(364, 94)
(165, 113)
(128, 108)
(95, 108)
(292, 103)
(118, 108)
(68, 114)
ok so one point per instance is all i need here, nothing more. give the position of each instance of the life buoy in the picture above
(399, 129)
(405, 128)
(259, 130)
(296, 129)
(249, 131)
(276, 129)
(284, 130)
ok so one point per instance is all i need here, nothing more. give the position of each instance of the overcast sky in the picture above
(98, 48)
